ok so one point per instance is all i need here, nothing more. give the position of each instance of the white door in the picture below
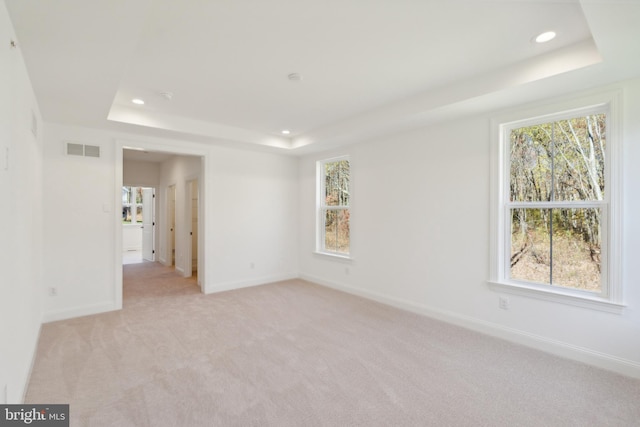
(171, 224)
(194, 226)
(147, 223)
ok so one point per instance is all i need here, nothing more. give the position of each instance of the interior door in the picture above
(147, 223)
(194, 226)
(171, 215)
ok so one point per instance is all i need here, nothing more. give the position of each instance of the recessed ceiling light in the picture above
(286, 132)
(545, 37)
(137, 101)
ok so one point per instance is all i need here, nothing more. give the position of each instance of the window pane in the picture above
(530, 245)
(576, 248)
(579, 158)
(337, 183)
(531, 163)
(126, 204)
(336, 235)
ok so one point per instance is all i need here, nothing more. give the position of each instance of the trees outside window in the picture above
(334, 197)
(557, 200)
(556, 204)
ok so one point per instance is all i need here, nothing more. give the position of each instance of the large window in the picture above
(556, 216)
(334, 197)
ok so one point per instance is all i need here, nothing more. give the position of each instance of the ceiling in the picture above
(367, 67)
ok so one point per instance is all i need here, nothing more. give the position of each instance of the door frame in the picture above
(181, 148)
(153, 223)
(171, 221)
(188, 225)
(154, 206)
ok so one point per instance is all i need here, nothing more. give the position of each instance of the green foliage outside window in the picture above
(335, 206)
(559, 165)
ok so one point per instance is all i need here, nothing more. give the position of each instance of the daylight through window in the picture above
(131, 205)
(333, 202)
(557, 202)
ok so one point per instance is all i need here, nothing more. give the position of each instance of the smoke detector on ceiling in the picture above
(167, 95)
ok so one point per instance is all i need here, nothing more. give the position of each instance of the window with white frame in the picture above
(334, 196)
(131, 205)
(556, 217)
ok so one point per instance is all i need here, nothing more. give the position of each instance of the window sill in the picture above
(344, 258)
(558, 296)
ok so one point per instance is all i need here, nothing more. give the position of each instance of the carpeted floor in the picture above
(298, 354)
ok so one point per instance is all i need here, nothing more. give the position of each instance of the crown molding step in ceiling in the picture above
(329, 73)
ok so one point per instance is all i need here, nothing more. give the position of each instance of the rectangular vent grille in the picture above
(74, 149)
(91, 151)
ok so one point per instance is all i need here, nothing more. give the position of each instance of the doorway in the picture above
(138, 224)
(171, 224)
(167, 168)
(192, 213)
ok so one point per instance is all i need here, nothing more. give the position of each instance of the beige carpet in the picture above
(298, 354)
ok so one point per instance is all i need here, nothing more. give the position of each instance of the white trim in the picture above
(119, 177)
(611, 298)
(80, 311)
(321, 207)
(169, 245)
(564, 296)
(559, 348)
(334, 255)
(34, 353)
(239, 284)
(615, 191)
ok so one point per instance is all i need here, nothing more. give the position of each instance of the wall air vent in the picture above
(91, 151)
(74, 149)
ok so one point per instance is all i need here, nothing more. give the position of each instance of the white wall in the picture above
(20, 219)
(249, 212)
(140, 174)
(420, 240)
(254, 217)
(79, 210)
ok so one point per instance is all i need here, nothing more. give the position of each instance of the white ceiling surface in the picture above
(369, 67)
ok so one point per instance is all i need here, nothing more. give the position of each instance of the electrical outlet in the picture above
(53, 292)
(503, 303)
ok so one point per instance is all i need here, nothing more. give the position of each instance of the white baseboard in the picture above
(86, 310)
(239, 284)
(34, 352)
(569, 351)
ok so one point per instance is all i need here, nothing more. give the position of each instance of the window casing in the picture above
(556, 205)
(333, 206)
